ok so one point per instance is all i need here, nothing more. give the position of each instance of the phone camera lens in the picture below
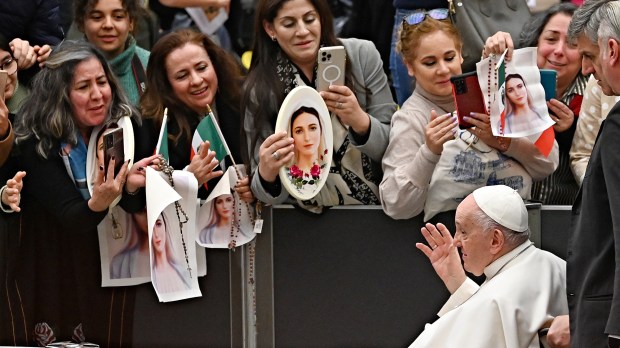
(323, 59)
(329, 56)
(324, 53)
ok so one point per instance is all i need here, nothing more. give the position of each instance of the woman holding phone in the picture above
(58, 248)
(430, 164)
(292, 31)
(547, 31)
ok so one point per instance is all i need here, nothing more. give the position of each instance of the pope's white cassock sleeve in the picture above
(524, 289)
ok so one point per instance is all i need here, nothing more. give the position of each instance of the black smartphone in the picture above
(467, 97)
(113, 146)
(548, 79)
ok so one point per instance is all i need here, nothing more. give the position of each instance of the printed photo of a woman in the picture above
(167, 275)
(520, 114)
(309, 147)
(132, 261)
(219, 226)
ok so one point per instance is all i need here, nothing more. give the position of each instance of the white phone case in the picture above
(331, 67)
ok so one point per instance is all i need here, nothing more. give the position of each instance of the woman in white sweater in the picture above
(430, 164)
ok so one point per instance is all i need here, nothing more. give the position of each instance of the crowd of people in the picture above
(397, 143)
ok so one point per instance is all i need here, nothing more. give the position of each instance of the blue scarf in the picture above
(75, 162)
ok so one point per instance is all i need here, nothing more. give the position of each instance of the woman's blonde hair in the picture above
(410, 36)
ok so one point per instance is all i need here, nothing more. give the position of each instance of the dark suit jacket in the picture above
(593, 281)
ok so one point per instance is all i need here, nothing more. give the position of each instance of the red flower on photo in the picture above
(296, 172)
(315, 171)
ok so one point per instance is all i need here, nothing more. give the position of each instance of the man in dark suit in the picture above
(593, 262)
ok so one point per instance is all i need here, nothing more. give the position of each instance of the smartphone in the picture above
(467, 96)
(331, 65)
(113, 146)
(548, 79)
(3, 80)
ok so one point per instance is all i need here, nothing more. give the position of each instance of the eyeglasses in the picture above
(419, 16)
(9, 65)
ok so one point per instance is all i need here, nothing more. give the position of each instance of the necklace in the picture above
(236, 223)
(168, 170)
(489, 90)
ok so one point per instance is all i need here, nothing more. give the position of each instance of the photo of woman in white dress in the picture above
(218, 229)
(167, 275)
(307, 164)
(133, 260)
(520, 113)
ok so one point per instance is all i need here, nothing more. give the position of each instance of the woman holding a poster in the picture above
(547, 31)
(431, 164)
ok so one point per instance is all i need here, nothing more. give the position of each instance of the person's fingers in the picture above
(425, 249)
(426, 233)
(445, 233)
(435, 234)
(110, 173)
(203, 149)
(19, 176)
(273, 138)
(99, 178)
(121, 177)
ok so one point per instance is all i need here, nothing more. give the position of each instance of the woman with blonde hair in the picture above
(430, 164)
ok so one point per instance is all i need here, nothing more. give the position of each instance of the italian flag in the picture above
(208, 130)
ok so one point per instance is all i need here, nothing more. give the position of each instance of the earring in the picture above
(273, 38)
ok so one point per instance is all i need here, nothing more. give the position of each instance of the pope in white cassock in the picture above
(524, 287)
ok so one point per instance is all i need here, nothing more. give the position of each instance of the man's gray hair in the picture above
(608, 16)
(512, 238)
(585, 21)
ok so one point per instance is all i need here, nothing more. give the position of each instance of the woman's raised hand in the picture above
(243, 190)
(274, 152)
(497, 44)
(561, 114)
(483, 131)
(105, 190)
(136, 178)
(341, 101)
(203, 164)
(439, 130)
(11, 194)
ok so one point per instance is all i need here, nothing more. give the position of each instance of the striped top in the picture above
(560, 188)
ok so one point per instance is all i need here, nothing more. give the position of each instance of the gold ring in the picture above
(339, 105)
(276, 155)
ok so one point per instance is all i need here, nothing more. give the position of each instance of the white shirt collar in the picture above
(492, 269)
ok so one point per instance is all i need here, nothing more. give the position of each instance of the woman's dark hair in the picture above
(47, 114)
(81, 8)
(305, 110)
(261, 86)
(159, 94)
(534, 26)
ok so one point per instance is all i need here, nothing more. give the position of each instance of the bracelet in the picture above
(3, 206)
(134, 192)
